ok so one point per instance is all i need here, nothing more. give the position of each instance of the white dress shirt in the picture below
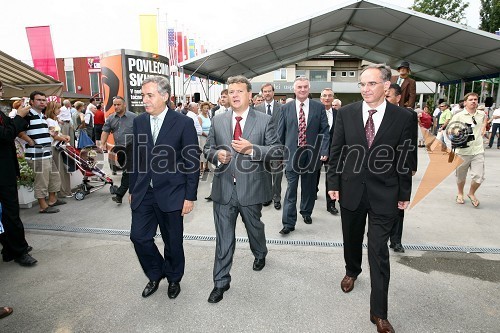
(377, 116)
(196, 122)
(329, 115)
(242, 121)
(64, 114)
(306, 112)
(266, 103)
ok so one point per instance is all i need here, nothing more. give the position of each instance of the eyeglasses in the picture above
(369, 84)
(474, 120)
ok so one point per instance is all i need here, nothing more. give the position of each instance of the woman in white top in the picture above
(51, 112)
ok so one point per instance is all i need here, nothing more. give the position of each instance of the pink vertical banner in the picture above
(42, 51)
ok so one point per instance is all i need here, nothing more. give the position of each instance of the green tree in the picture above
(490, 15)
(451, 10)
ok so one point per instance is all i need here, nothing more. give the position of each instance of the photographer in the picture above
(466, 131)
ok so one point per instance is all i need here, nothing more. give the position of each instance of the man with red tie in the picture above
(370, 174)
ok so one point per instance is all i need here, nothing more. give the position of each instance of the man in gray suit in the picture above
(304, 131)
(239, 143)
(272, 108)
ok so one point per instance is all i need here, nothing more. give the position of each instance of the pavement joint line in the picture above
(295, 242)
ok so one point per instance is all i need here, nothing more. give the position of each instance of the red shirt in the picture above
(99, 117)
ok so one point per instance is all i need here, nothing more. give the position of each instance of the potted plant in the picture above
(25, 183)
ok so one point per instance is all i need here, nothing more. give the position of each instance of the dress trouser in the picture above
(13, 239)
(379, 228)
(277, 176)
(308, 180)
(397, 228)
(124, 158)
(145, 221)
(225, 225)
(329, 201)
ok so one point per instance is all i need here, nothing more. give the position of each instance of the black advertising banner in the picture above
(139, 66)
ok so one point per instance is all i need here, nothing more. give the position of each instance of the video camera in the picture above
(460, 134)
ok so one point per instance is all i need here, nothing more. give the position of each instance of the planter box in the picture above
(26, 197)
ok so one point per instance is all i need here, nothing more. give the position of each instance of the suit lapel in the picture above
(359, 125)
(386, 123)
(310, 115)
(168, 122)
(228, 125)
(249, 124)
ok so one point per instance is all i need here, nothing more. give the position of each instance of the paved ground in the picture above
(87, 282)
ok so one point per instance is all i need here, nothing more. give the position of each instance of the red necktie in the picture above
(237, 129)
(370, 128)
(302, 127)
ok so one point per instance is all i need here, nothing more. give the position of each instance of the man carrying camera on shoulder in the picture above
(466, 131)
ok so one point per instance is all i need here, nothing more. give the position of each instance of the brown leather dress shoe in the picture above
(383, 325)
(347, 284)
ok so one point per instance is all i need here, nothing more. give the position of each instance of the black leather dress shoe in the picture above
(26, 260)
(209, 198)
(150, 289)
(277, 205)
(258, 264)
(307, 219)
(29, 249)
(399, 248)
(286, 231)
(217, 294)
(117, 199)
(332, 210)
(267, 203)
(174, 288)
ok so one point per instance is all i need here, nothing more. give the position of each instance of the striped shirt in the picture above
(38, 131)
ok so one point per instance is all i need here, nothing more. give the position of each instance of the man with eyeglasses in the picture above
(121, 124)
(369, 172)
(473, 154)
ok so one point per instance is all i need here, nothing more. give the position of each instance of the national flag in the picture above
(180, 48)
(172, 51)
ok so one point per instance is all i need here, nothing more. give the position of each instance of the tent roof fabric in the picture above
(438, 50)
(20, 79)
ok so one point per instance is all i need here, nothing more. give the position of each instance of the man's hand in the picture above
(130, 198)
(242, 146)
(334, 195)
(224, 156)
(188, 207)
(403, 204)
(323, 158)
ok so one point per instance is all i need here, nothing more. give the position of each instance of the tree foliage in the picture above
(451, 10)
(490, 15)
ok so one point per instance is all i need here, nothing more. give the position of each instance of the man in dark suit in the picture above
(239, 143)
(14, 245)
(331, 113)
(369, 173)
(303, 130)
(407, 84)
(393, 96)
(163, 184)
(273, 109)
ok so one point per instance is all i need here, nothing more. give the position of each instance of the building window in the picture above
(300, 73)
(70, 81)
(94, 83)
(343, 74)
(280, 74)
(334, 74)
(318, 75)
(352, 74)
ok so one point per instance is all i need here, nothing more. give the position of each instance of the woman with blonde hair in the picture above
(51, 112)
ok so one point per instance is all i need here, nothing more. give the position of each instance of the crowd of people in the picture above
(249, 143)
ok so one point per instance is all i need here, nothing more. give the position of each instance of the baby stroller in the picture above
(84, 159)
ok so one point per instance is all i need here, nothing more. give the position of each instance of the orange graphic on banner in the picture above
(439, 167)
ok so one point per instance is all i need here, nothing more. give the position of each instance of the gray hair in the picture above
(300, 78)
(66, 101)
(162, 83)
(336, 100)
(192, 105)
(239, 79)
(385, 71)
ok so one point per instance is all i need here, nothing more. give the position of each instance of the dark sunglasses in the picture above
(474, 120)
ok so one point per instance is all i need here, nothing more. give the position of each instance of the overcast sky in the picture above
(91, 27)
